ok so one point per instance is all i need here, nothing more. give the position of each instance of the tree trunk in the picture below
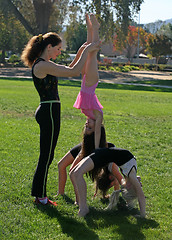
(43, 10)
(3, 56)
(19, 16)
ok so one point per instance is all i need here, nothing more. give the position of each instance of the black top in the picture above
(102, 156)
(75, 150)
(46, 87)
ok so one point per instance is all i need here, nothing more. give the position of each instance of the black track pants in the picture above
(48, 117)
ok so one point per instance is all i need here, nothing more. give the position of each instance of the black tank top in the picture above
(47, 87)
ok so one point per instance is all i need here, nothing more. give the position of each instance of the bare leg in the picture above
(89, 29)
(91, 67)
(77, 178)
(89, 38)
(95, 27)
(62, 165)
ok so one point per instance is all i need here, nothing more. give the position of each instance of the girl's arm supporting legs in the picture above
(141, 198)
(76, 161)
(98, 123)
(117, 174)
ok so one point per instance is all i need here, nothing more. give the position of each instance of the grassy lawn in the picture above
(155, 82)
(136, 118)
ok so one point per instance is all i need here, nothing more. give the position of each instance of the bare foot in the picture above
(88, 22)
(95, 23)
(83, 212)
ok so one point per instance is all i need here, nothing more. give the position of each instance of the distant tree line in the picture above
(21, 19)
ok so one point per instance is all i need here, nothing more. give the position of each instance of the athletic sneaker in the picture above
(49, 202)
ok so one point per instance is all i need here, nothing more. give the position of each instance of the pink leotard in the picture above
(87, 100)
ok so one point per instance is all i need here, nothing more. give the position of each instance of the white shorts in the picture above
(128, 166)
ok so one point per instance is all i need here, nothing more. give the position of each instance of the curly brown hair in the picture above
(37, 45)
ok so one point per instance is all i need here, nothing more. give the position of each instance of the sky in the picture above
(153, 10)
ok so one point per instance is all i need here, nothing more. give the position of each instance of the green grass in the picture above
(136, 118)
(155, 82)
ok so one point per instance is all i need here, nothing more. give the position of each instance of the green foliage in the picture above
(134, 68)
(110, 68)
(159, 45)
(138, 120)
(102, 67)
(13, 36)
(76, 35)
(123, 69)
(14, 58)
(166, 29)
(37, 16)
(62, 57)
(146, 66)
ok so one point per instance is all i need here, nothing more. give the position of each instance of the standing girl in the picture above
(36, 55)
(87, 100)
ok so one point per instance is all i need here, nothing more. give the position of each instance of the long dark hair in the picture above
(88, 147)
(37, 45)
(103, 181)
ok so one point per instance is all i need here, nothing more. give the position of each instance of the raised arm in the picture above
(76, 161)
(43, 68)
(78, 55)
(98, 122)
(115, 171)
(141, 198)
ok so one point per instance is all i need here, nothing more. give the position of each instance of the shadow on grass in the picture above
(100, 218)
(77, 83)
(119, 220)
(70, 226)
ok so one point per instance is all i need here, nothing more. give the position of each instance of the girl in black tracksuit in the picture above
(48, 117)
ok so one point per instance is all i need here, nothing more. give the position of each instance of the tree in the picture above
(36, 15)
(125, 11)
(159, 45)
(130, 44)
(76, 32)
(76, 35)
(166, 30)
(13, 36)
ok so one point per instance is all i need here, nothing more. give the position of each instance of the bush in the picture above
(134, 68)
(14, 58)
(118, 69)
(146, 66)
(125, 69)
(110, 68)
(161, 67)
(103, 68)
(64, 56)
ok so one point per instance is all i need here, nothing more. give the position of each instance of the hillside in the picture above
(155, 26)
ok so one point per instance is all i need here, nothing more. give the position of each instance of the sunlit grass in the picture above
(138, 119)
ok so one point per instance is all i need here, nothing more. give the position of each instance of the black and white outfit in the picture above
(48, 117)
(124, 159)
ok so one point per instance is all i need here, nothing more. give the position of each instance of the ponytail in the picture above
(37, 45)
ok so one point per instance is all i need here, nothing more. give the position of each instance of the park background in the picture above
(137, 100)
